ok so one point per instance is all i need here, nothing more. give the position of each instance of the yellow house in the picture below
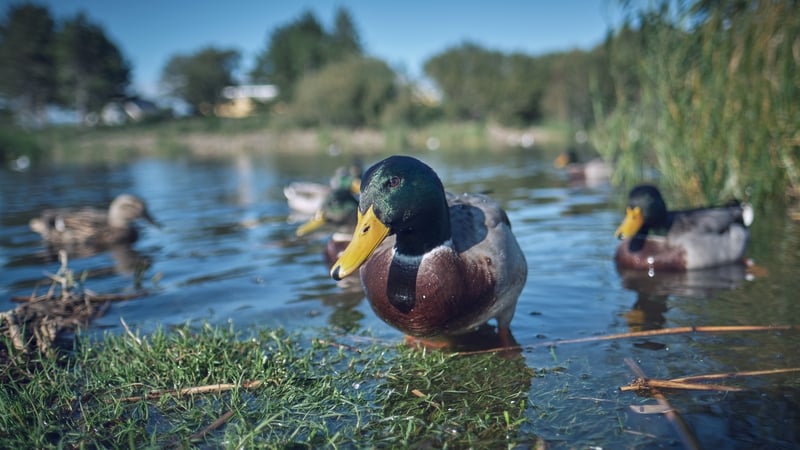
(242, 99)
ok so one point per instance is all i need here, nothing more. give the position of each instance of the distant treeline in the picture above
(702, 96)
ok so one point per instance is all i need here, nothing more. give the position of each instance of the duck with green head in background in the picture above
(659, 239)
(339, 210)
(433, 264)
(307, 197)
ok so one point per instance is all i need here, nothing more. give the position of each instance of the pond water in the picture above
(226, 252)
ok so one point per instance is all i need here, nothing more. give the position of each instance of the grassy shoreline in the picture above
(215, 137)
(223, 387)
(213, 387)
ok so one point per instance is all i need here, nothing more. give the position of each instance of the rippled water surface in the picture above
(226, 251)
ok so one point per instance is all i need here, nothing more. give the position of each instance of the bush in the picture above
(350, 93)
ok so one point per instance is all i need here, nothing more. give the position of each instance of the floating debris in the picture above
(40, 319)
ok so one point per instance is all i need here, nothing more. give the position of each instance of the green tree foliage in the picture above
(352, 93)
(303, 47)
(570, 78)
(479, 84)
(411, 106)
(719, 101)
(522, 87)
(468, 76)
(344, 40)
(198, 79)
(91, 68)
(27, 65)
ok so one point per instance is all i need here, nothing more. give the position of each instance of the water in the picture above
(226, 252)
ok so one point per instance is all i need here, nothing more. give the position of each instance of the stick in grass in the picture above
(209, 388)
(638, 334)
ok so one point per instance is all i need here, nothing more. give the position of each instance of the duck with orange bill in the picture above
(655, 238)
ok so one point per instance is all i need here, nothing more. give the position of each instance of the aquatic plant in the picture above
(717, 113)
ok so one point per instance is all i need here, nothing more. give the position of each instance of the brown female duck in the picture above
(93, 227)
(432, 264)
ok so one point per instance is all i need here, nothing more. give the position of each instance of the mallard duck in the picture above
(433, 264)
(93, 227)
(680, 240)
(338, 210)
(592, 173)
(307, 197)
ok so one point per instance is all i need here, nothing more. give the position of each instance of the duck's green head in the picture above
(338, 208)
(347, 179)
(646, 208)
(400, 195)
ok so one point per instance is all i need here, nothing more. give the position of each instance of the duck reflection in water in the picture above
(654, 288)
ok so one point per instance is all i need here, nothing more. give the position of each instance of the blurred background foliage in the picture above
(710, 102)
(700, 96)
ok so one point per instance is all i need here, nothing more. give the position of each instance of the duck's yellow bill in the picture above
(317, 221)
(355, 186)
(631, 224)
(561, 161)
(369, 234)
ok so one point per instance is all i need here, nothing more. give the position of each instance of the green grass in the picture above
(311, 394)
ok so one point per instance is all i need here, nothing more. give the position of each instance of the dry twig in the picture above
(688, 439)
(209, 388)
(670, 331)
(641, 384)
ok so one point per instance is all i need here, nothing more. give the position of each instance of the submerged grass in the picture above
(126, 391)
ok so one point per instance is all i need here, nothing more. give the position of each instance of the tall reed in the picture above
(718, 114)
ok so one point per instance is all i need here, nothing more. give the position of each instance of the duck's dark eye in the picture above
(393, 182)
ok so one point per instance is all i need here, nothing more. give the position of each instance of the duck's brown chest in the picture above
(440, 294)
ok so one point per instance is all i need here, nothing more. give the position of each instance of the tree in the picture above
(198, 79)
(91, 68)
(523, 83)
(303, 47)
(294, 50)
(27, 65)
(469, 77)
(568, 96)
(344, 40)
(353, 93)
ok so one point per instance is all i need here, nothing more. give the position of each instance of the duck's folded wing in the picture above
(474, 218)
(708, 220)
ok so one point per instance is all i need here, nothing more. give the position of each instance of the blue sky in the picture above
(402, 33)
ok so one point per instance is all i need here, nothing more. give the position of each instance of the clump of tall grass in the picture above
(718, 110)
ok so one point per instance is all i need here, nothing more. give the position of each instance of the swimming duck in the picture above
(339, 210)
(680, 240)
(591, 173)
(307, 197)
(433, 264)
(93, 227)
